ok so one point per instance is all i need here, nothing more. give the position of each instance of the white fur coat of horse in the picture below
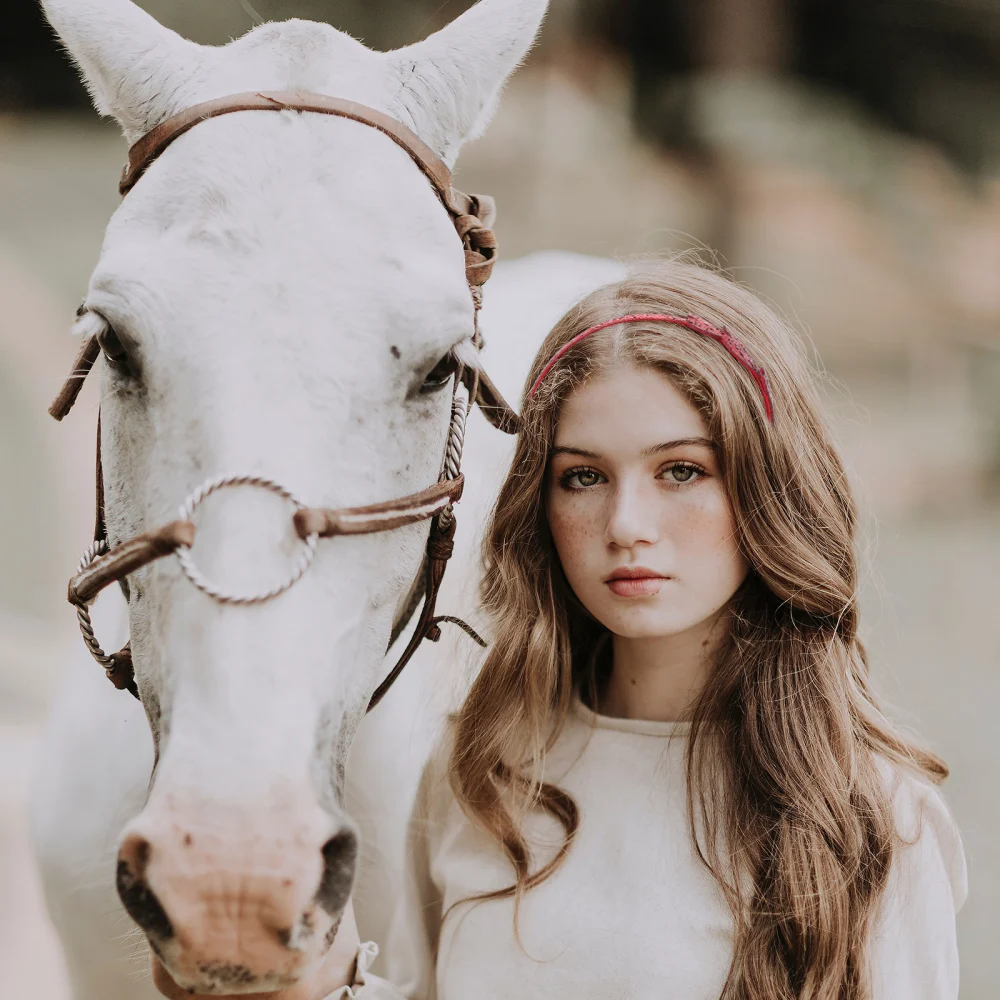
(281, 283)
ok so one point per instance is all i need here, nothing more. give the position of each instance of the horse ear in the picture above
(450, 83)
(129, 62)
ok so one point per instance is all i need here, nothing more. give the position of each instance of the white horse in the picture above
(281, 284)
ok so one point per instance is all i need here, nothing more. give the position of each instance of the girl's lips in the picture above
(640, 586)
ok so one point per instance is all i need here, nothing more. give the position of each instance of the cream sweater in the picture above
(631, 913)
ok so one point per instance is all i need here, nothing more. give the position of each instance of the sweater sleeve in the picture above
(915, 948)
(412, 939)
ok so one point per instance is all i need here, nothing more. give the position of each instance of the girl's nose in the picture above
(632, 516)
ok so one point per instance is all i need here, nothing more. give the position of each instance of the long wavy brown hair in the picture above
(792, 816)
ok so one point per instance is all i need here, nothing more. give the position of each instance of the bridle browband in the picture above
(102, 566)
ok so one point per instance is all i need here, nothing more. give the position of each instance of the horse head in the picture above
(274, 298)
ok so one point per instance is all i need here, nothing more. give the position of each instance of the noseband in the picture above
(103, 565)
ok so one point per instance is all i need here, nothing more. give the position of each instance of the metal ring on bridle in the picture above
(192, 572)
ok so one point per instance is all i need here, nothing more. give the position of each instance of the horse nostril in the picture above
(138, 899)
(134, 853)
(340, 855)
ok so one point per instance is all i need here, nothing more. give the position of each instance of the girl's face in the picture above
(637, 509)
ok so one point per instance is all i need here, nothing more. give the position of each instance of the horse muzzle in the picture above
(238, 901)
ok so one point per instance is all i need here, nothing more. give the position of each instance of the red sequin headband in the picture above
(693, 323)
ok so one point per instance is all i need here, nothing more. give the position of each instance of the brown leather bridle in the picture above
(472, 216)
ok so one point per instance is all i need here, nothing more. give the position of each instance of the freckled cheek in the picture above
(576, 530)
(704, 535)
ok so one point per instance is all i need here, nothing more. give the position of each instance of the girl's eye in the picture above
(580, 479)
(682, 472)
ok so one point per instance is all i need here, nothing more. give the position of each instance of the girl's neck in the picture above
(659, 679)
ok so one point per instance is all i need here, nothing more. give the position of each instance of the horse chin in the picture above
(230, 982)
(303, 974)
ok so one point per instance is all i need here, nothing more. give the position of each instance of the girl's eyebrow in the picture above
(702, 442)
(646, 452)
(567, 450)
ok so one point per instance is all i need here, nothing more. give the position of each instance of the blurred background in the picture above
(842, 157)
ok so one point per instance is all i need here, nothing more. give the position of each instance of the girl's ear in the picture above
(130, 63)
(450, 83)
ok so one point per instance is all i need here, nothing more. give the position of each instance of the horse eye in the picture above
(440, 375)
(111, 347)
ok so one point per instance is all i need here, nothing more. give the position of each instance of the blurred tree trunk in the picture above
(669, 43)
(735, 38)
(742, 36)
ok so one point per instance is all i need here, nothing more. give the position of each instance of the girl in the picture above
(671, 777)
